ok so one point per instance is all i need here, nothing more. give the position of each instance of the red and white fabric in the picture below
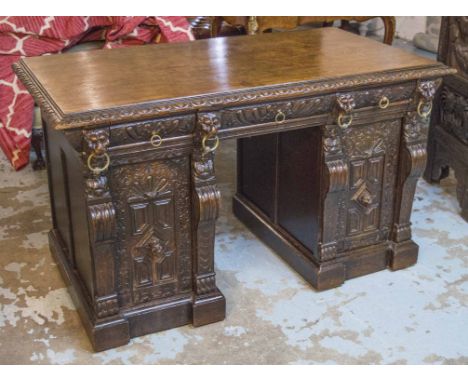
(34, 36)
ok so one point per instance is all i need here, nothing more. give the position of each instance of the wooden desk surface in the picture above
(71, 86)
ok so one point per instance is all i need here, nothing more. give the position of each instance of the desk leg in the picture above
(412, 161)
(331, 274)
(209, 304)
(404, 252)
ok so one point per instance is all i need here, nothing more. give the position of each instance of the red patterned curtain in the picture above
(34, 36)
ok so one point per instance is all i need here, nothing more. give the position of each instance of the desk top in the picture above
(111, 86)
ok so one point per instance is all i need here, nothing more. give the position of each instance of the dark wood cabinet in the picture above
(329, 155)
(448, 137)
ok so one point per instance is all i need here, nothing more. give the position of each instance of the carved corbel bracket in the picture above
(206, 201)
(412, 163)
(335, 178)
(101, 221)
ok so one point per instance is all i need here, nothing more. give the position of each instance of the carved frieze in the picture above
(267, 112)
(142, 131)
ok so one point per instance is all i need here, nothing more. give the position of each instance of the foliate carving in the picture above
(332, 140)
(415, 129)
(142, 131)
(107, 307)
(206, 283)
(454, 113)
(366, 141)
(267, 112)
(56, 119)
(206, 204)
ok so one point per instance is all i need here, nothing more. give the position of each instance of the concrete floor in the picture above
(417, 315)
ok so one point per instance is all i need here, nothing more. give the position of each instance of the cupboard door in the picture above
(371, 152)
(152, 202)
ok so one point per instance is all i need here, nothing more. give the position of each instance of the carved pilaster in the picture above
(412, 158)
(335, 177)
(206, 202)
(101, 218)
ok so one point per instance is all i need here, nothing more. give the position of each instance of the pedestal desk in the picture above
(131, 136)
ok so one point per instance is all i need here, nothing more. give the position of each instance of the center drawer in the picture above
(290, 110)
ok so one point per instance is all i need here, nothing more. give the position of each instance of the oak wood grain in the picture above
(115, 78)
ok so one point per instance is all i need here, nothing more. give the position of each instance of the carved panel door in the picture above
(366, 208)
(153, 214)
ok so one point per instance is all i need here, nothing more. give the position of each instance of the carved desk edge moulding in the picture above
(57, 120)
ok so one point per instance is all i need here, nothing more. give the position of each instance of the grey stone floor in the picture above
(416, 316)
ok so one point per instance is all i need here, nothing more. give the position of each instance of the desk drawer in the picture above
(373, 96)
(143, 131)
(305, 107)
(276, 111)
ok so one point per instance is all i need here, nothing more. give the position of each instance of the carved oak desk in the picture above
(131, 135)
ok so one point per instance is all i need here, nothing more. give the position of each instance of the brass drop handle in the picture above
(344, 120)
(155, 140)
(98, 170)
(209, 149)
(384, 102)
(424, 113)
(280, 117)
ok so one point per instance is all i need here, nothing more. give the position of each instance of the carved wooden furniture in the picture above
(259, 24)
(132, 183)
(448, 135)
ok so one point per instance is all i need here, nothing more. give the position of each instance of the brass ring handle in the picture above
(98, 170)
(421, 113)
(344, 124)
(280, 117)
(208, 149)
(384, 102)
(155, 140)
